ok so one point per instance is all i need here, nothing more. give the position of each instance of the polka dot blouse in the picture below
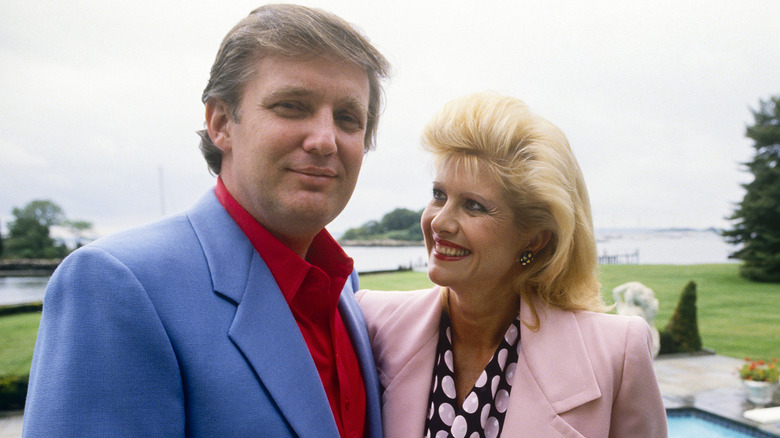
(483, 410)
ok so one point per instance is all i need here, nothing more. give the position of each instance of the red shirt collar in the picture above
(287, 267)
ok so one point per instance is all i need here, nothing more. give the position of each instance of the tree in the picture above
(79, 230)
(757, 217)
(400, 219)
(399, 224)
(28, 234)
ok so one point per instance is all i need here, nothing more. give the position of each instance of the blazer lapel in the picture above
(407, 359)
(263, 327)
(266, 332)
(553, 375)
(356, 326)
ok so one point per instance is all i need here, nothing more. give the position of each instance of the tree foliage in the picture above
(29, 234)
(757, 217)
(79, 229)
(399, 224)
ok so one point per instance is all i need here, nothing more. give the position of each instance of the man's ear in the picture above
(218, 122)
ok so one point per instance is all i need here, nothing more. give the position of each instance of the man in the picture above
(236, 318)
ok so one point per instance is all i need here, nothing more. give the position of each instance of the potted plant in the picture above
(760, 378)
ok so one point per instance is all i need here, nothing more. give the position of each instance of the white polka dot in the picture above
(511, 335)
(427, 434)
(502, 400)
(482, 380)
(471, 403)
(494, 385)
(474, 435)
(502, 355)
(459, 427)
(491, 429)
(448, 360)
(449, 337)
(430, 411)
(435, 383)
(484, 415)
(442, 434)
(510, 373)
(448, 386)
(447, 413)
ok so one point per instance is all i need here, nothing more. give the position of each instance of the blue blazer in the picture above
(179, 329)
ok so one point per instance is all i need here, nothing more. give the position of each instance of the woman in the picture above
(511, 342)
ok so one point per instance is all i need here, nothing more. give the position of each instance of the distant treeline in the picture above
(400, 224)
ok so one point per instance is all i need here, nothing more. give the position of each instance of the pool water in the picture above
(694, 423)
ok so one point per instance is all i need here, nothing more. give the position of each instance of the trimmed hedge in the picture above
(21, 308)
(681, 334)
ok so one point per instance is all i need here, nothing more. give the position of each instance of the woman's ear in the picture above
(218, 124)
(539, 241)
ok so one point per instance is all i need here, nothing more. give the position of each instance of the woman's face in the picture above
(471, 234)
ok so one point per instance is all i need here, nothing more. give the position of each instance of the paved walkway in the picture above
(11, 424)
(707, 382)
(710, 383)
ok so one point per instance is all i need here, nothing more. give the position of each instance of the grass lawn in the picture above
(17, 341)
(737, 318)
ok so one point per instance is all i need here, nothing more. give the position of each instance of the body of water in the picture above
(19, 290)
(675, 247)
(648, 247)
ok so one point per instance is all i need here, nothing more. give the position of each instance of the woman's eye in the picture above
(475, 206)
(438, 195)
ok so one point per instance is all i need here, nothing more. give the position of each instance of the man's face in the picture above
(293, 157)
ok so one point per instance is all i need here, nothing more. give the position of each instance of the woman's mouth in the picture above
(448, 249)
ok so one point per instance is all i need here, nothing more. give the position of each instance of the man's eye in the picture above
(287, 108)
(349, 122)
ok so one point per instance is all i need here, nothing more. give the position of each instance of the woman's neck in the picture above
(479, 322)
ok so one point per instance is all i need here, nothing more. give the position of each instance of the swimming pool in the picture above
(684, 423)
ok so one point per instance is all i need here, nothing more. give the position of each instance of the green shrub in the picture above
(13, 391)
(20, 308)
(681, 334)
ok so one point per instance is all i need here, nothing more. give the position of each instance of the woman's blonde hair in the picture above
(532, 160)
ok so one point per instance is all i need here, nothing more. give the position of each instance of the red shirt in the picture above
(312, 289)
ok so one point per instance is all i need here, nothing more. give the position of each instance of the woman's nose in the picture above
(445, 221)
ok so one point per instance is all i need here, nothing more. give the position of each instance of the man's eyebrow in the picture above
(288, 92)
(353, 103)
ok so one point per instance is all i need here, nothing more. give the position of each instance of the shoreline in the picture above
(390, 243)
(28, 267)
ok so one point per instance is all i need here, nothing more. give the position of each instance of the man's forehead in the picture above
(313, 77)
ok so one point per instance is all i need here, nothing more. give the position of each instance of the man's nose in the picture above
(321, 137)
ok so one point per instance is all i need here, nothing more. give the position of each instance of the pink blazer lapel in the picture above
(405, 351)
(553, 375)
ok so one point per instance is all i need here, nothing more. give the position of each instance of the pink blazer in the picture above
(582, 374)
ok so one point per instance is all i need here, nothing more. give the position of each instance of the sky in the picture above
(101, 100)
